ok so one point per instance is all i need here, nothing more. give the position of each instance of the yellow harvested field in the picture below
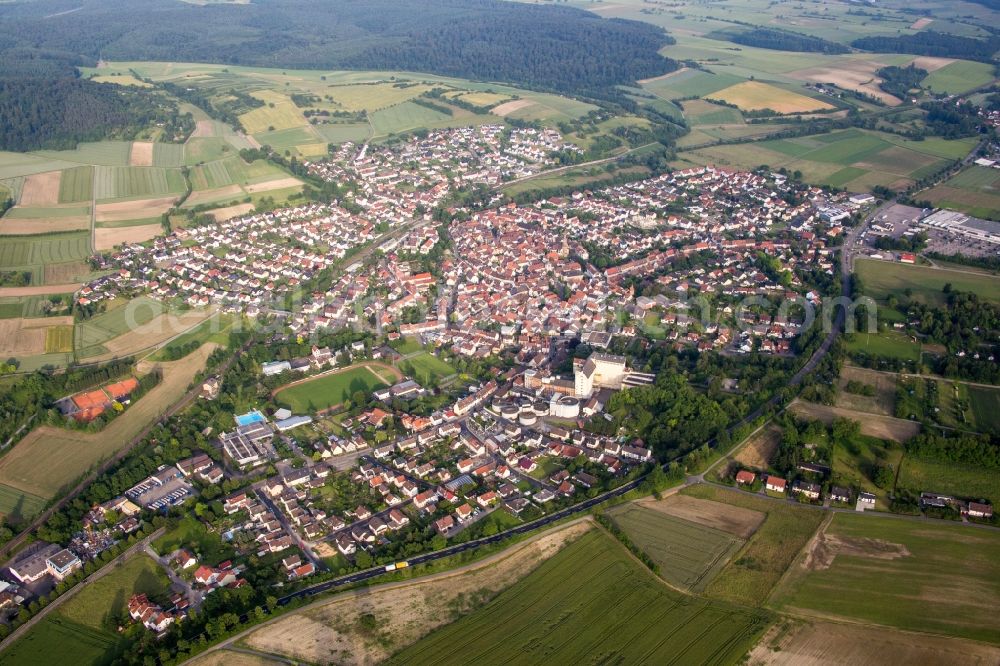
(850, 74)
(41, 189)
(757, 452)
(42, 225)
(371, 97)
(133, 210)
(228, 213)
(756, 96)
(277, 184)
(202, 196)
(141, 154)
(931, 63)
(40, 290)
(728, 518)
(329, 632)
(155, 332)
(883, 427)
(794, 642)
(69, 454)
(22, 337)
(111, 237)
(313, 149)
(278, 113)
(508, 108)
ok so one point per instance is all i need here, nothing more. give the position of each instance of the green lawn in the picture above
(953, 569)
(882, 278)
(191, 533)
(426, 368)
(592, 603)
(689, 555)
(887, 343)
(329, 390)
(760, 564)
(97, 605)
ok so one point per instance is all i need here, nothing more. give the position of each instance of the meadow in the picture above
(426, 368)
(569, 608)
(76, 185)
(891, 344)
(749, 578)
(189, 532)
(34, 252)
(17, 506)
(56, 640)
(882, 278)
(689, 555)
(958, 77)
(975, 191)
(99, 603)
(329, 390)
(889, 571)
(918, 475)
(985, 403)
(119, 319)
(129, 182)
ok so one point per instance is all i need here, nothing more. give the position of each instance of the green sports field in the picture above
(592, 603)
(890, 571)
(426, 367)
(329, 390)
(689, 555)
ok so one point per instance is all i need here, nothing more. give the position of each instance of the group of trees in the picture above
(785, 40)
(964, 449)
(932, 43)
(899, 81)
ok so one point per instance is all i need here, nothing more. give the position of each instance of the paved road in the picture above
(137, 547)
(194, 597)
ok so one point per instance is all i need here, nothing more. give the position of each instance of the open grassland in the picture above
(331, 631)
(759, 565)
(214, 329)
(278, 113)
(168, 154)
(56, 640)
(342, 133)
(795, 642)
(120, 79)
(426, 368)
(882, 278)
(701, 112)
(919, 475)
(105, 153)
(147, 335)
(884, 400)
(890, 571)
(404, 117)
(76, 185)
(689, 82)
(17, 506)
(958, 77)
(321, 393)
(873, 425)
(134, 182)
(14, 167)
(569, 608)
(756, 96)
(975, 190)
(34, 252)
(362, 97)
(985, 403)
(69, 454)
(892, 344)
(120, 317)
(689, 555)
(105, 599)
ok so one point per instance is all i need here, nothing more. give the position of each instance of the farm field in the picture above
(884, 400)
(136, 182)
(689, 555)
(17, 506)
(56, 640)
(69, 454)
(214, 329)
(34, 252)
(918, 475)
(278, 113)
(852, 158)
(233, 658)
(120, 317)
(985, 403)
(819, 642)
(958, 77)
(911, 565)
(106, 238)
(882, 278)
(975, 191)
(76, 185)
(750, 577)
(873, 425)
(329, 632)
(756, 96)
(701, 112)
(565, 610)
(892, 344)
(327, 391)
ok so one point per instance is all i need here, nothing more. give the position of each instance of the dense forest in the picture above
(899, 81)
(556, 48)
(933, 43)
(784, 40)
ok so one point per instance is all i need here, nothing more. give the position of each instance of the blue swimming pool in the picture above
(249, 418)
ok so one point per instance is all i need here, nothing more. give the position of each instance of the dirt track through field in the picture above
(41, 189)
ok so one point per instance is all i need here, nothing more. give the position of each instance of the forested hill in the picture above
(557, 48)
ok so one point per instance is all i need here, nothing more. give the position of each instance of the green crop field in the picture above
(214, 329)
(592, 603)
(882, 278)
(168, 155)
(59, 339)
(919, 475)
(38, 250)
(106, 153)
(953, 569)
(17, 506)
(425, 368)
(700, 112)
(135, 182)
(278, 113)
(76, 185)
(403, 117)
(329, 390)
(958, 77)
(341, 133)
(690, 82)
(689, 555)
(985, 407)
(56, 640)
(116, 321)
(975, 190)
(760, 564)
(207, 149)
